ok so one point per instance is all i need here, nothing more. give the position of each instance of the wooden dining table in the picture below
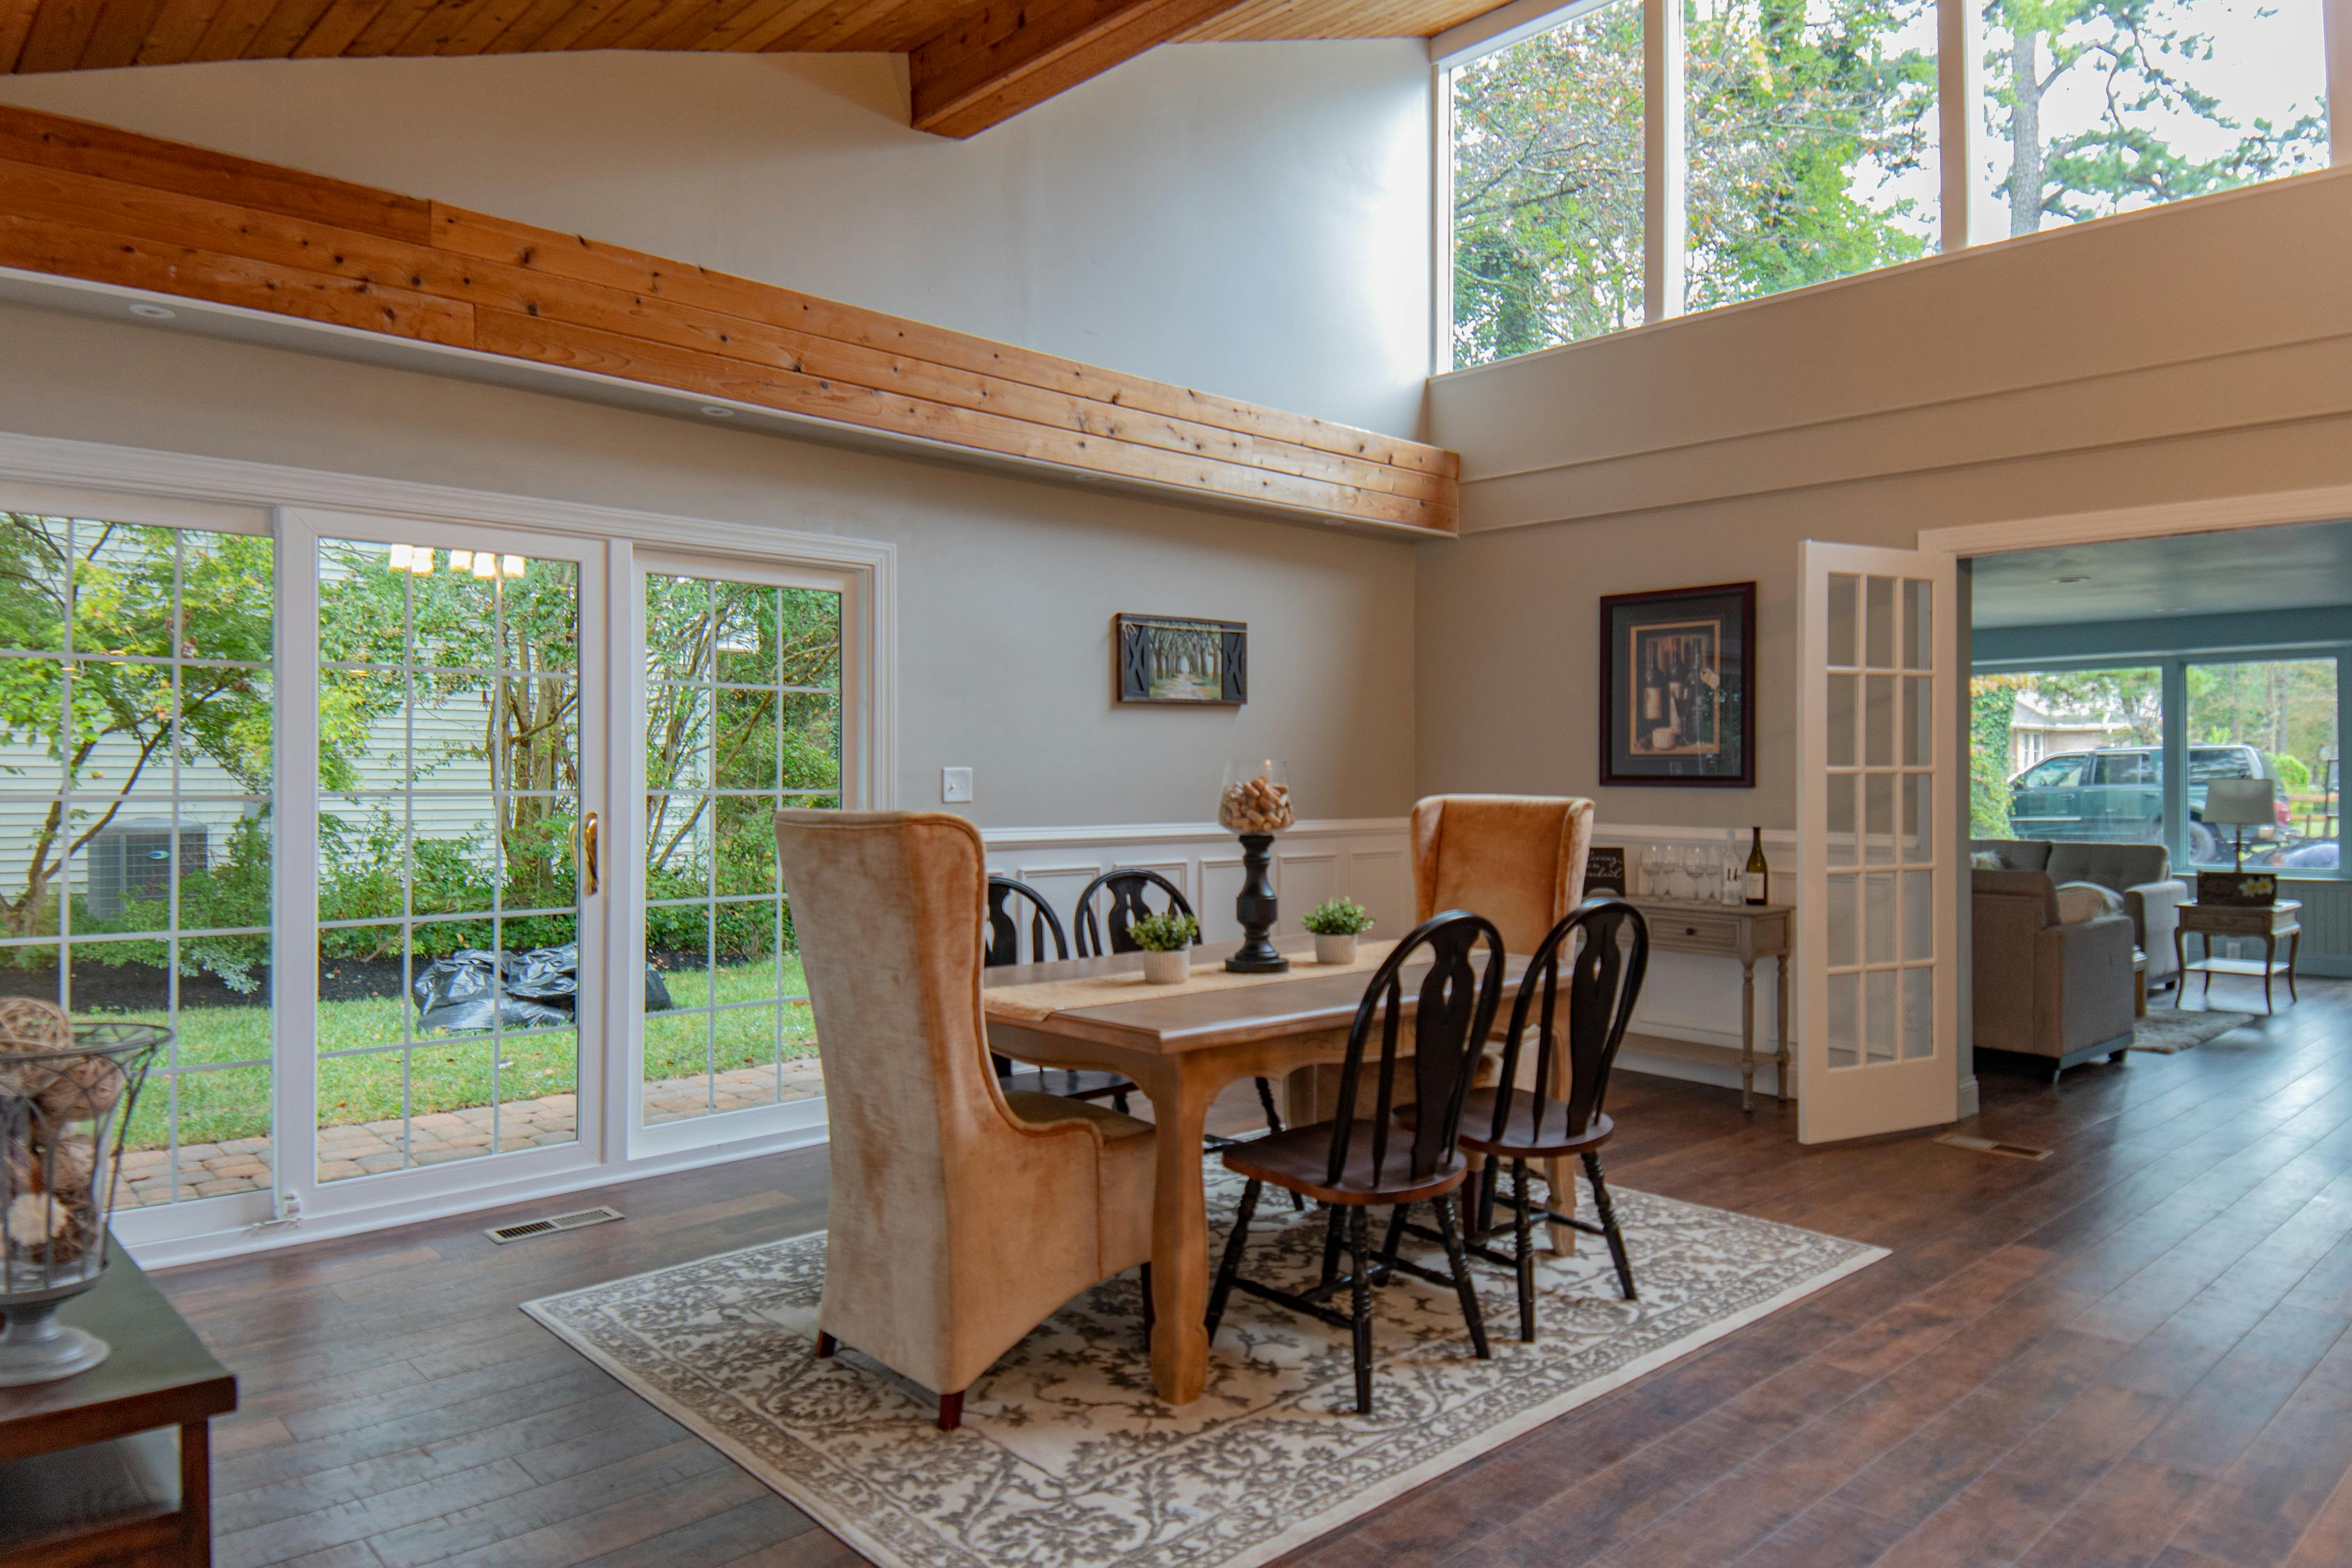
(1182, 1049)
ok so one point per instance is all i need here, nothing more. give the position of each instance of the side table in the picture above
(1744, 931)
(113, 1466)
(2270, 922)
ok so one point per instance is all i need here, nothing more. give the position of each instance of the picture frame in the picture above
(1189, 661)
(1677, 688)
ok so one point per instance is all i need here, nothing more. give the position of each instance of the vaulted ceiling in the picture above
(973, 65)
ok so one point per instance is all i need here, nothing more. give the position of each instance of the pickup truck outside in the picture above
(2116, 795)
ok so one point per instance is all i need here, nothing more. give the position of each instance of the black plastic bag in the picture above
(471, 989)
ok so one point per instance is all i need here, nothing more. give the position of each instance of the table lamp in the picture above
(2241, 803)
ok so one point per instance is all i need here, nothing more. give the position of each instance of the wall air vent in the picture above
(1989, 1146)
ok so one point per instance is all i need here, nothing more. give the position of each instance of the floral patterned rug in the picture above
(1067, 1459)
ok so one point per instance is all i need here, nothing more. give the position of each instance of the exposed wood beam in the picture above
(87, 201)
(991, 63)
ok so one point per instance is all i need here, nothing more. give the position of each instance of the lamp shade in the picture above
(2240, 803)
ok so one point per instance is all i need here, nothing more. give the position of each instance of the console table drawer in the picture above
(1694, 931)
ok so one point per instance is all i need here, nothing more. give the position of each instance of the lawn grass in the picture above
(451, 1072)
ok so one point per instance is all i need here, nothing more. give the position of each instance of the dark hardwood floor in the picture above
(2133, 1353)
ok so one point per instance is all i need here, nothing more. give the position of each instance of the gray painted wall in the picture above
(1007, 584)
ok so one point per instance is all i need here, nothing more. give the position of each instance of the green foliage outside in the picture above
(1993, 705)
(1809, 135)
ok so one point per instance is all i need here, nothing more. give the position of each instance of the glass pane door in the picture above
(744, 715)
(135, 833)
(1877, 835)
(449, 794)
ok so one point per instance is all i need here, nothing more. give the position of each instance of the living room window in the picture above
(2079, 755)
(1621, 163)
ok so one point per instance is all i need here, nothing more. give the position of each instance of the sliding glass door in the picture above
(743, 713)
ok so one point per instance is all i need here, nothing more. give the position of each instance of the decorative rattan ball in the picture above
(28, 1024)
(40, 1227)
(76, 1089)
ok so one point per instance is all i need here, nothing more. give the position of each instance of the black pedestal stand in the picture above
(1256, 909)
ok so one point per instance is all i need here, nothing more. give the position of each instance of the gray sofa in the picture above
(2140, 874)
(2043, 987)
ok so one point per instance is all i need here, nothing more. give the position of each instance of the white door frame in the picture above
(176, 484)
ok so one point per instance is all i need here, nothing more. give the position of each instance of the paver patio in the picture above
(369, 1148)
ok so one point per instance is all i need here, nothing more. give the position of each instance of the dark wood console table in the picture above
(113, 1465)
(1744, 931)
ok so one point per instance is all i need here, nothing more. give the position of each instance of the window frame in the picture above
(2173, 671)
(1968, 216)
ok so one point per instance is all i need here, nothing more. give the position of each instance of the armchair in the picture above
(2052, 989)
(2140, 874)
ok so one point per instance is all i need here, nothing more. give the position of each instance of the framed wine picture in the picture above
(1677, 704)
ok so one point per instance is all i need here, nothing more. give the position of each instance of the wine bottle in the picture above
(1759, 873)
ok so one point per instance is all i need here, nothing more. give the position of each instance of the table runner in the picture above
(1041, 999)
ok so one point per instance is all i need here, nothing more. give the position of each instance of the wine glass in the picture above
(1694, 869)
(1654, 873)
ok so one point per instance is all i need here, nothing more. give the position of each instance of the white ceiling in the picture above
(2302, 568)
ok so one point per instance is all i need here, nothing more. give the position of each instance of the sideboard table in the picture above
(113, 1465)
(1744, 931)
(2268, 921)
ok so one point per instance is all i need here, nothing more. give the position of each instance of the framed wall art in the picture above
(1179, 659)
(1678, 703)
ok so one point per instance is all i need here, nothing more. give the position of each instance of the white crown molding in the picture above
(2324, 504)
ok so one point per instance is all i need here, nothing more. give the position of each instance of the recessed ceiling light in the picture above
(2069, 580)
(153, 312)
(714, 411)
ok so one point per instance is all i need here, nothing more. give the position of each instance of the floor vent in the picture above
(553, 1223)
(1987, 1146)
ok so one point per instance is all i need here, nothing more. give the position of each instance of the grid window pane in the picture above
(2075, 755)
(135, 771)
(2272, 720)
(744, 715)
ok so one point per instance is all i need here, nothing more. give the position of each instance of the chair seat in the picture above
(1299, 1159)
(1530, 1133)
(1069, 1083)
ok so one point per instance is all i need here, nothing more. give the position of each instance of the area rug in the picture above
(1067, 1459)
(2172, 1030)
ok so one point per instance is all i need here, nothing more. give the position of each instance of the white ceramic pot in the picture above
(1168, 968)
(1335, 948)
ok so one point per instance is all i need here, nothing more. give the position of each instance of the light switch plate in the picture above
(955, 786)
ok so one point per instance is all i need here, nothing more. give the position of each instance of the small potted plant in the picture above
(1337, 923)
(1167, 941)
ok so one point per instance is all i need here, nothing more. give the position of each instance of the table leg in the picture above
(1781, 1031)
(196, 1493)
(2270, 956)
(1747, 1034)
(1560, 1175)
(2139, 992)
(2180, 965)
(1179, 1237)
(2293, 951)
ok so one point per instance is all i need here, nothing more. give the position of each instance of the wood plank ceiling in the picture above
(974, 63)
(87, 201)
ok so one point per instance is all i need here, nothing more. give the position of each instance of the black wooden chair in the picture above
(1004, 946)
(1606, 944)
(1348, 1162)
(1130, 888)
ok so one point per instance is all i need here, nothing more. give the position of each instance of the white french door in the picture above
(442, 1010)
(1879, 780)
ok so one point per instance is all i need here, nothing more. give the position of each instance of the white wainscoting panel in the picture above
(1362, 860)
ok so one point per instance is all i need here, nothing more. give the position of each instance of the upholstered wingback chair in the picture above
(2045, 985)
(1517, 859)
(961, 1216)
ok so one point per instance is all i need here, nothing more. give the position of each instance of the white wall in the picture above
(1252, 219)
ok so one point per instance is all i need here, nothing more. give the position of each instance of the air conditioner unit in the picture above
(131, 858)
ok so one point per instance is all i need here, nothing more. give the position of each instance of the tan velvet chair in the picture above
(961, 1216)
(1517, 859)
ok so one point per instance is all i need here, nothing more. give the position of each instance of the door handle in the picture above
(588, 847)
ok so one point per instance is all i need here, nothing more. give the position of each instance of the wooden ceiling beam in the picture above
(87, 201)
(991, 63)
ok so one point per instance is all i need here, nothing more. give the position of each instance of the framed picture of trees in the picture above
(1677, 692)
(1173, 659)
